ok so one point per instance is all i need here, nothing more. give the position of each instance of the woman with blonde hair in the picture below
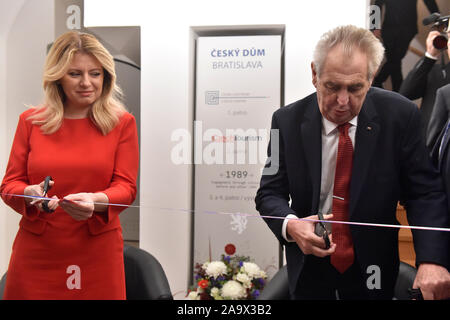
(84, 139)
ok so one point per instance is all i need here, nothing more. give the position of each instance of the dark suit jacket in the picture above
(390, 163)
(403, 13)
(422, 82)
(438, 123)
(439, 116)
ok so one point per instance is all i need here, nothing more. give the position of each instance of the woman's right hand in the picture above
(37, 190)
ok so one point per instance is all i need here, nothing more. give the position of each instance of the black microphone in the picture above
(432, 18)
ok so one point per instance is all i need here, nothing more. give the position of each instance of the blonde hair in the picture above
(105, 111)
(350, 37)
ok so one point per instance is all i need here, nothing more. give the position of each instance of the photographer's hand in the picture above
(377, 33)
(430, 47)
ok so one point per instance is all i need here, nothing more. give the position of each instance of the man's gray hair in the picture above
(350, 37)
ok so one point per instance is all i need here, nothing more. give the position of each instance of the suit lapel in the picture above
(311, 139)
(444, 144)
(434, 154)
(443, 92)
(365, 142)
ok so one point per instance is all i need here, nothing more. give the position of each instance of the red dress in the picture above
(53, 255)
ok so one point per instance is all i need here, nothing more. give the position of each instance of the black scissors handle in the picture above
(46, 188)
(325, 231)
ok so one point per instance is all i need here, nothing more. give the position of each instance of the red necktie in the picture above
(343, 257)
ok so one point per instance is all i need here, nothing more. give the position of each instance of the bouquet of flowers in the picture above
(231, 278)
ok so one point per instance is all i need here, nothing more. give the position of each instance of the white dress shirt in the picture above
(330, 142)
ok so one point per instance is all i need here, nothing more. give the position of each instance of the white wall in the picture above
(8, 12)
(26, 29)
(166, 97)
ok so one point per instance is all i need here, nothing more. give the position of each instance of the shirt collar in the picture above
(328, 126)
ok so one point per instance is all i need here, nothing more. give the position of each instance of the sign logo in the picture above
(238, 223)
(212, 97)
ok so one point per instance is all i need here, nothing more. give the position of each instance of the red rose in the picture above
(230, 249)
(203, 284)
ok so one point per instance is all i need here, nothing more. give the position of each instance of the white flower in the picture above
(205, 265)
(215, 268)
(263, 274)
(233, 290)
(252, 270)
(214, 291)
(193, 295)
(244, 279)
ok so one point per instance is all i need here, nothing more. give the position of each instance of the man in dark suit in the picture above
(425, 78)
(439, 132)
(399, 28)
(439, 118)
(320, 171)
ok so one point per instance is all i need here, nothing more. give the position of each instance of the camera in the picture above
(440, 24)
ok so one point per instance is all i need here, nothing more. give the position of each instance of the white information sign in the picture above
(238, 87)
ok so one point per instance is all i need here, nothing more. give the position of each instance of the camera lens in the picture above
(440, 42)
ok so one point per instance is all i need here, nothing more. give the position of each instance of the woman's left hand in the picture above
(79, 206)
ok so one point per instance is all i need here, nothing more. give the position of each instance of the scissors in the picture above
(323, 230)
(46, 188)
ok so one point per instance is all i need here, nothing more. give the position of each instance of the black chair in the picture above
(405, 280)
(145, 278)
(277, 288)
(2, 286)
